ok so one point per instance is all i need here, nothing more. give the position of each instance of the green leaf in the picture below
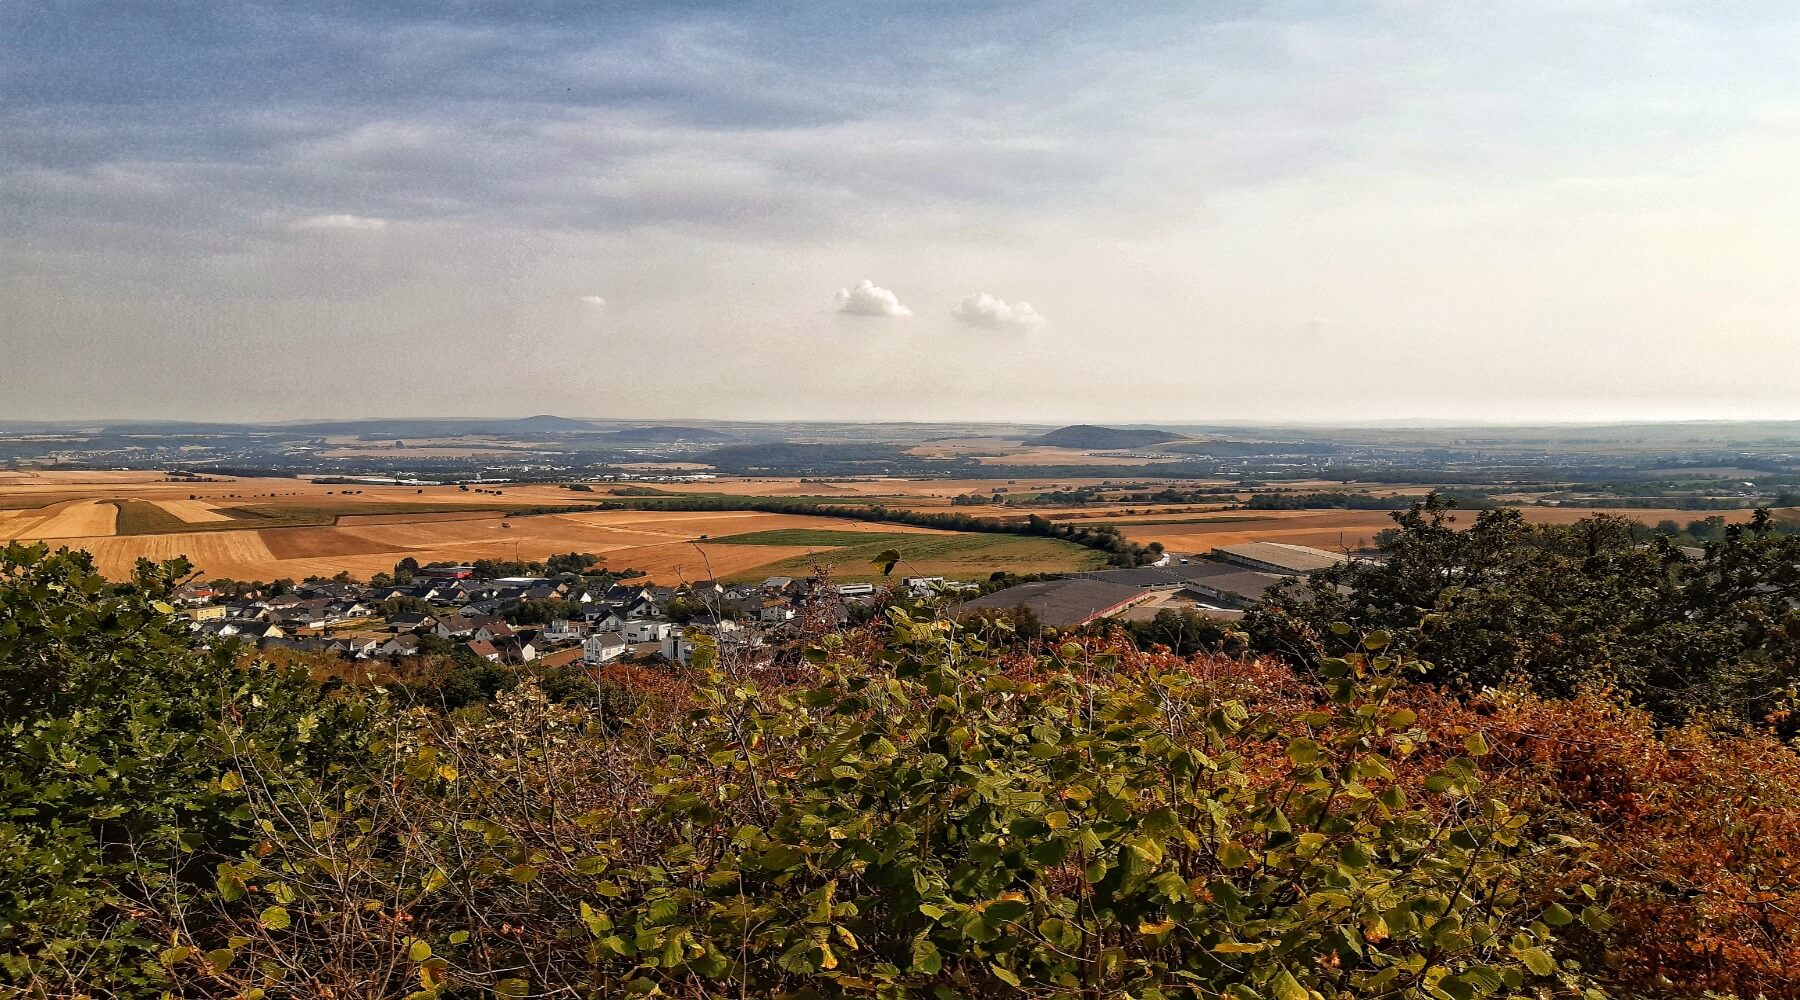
(275, 918)
(598, 924)
(1233, 854)
(887, 559)
(1557, 915)
(1005, 975)
(1538, 961)
(1285, 987)
(925, 957)
(419, 951)
(512, 989)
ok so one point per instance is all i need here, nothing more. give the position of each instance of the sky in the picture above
(1053, 212)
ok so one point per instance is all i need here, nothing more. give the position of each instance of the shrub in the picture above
(913, 822)
(117, 727)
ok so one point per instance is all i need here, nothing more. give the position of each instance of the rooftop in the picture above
(1060, 603)
(1290, 558)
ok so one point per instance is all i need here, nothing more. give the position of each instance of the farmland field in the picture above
(1345, 529)
(668, 546)
(954, 555)
(263, 528)
(62, 519)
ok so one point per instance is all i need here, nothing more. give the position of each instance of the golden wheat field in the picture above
(1343, 529)
(669, 546)
(263, 528)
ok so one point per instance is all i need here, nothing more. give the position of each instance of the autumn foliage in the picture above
(903, 809)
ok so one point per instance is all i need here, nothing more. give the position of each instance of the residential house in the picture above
(483, 649)
(564, 630)
(772, 614)
(646, 630)
(495, 630)
(399, 645)
(411, 621)
(604, 647)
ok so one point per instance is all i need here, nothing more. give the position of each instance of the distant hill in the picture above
(377, 429)
(550, 423)
(665, 435)
(1089, 436)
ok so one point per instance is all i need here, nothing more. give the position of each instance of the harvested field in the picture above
(658, 542)
(264, 528)
(68, 519)
(192, 511)
(1352, 529)
(353, 520)
(316, 543)
(958, 556)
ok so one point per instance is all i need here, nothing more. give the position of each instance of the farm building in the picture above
(1224, 586)
(1278, 557)
(1061, 604)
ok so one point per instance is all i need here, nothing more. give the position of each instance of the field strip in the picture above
(70, 519)
(192, 511)
(353, 520)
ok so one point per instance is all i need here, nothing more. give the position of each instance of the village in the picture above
(566, 618)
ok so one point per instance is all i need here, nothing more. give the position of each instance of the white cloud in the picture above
(869, 299)
(362, 222)
(593, 300)
(984, 310)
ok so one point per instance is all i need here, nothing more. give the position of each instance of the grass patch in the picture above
(1139, 522)
(141, 517)
(34, 501)
(820, 537)
(661, 500)
(959, 556)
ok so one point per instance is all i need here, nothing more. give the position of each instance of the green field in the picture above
(645, 498)
(141, 517)
(958, 556)
(820, 537)
(1128, 522)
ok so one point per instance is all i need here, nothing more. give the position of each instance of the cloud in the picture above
(593, 300)
(868, 299)
(988, 312)
(362, 222)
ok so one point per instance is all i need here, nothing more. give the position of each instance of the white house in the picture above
(647, 631)
(563, 630)
(678, 647)
(603, 647)
(774, 613)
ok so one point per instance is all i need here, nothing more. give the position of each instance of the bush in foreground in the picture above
(907, 813)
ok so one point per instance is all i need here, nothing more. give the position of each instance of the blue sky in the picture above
(1054, 211)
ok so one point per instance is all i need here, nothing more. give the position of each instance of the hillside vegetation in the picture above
(1089, 436)
(915, 809)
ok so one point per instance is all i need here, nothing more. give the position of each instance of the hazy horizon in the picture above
(1395, 423)
(1340, 214)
